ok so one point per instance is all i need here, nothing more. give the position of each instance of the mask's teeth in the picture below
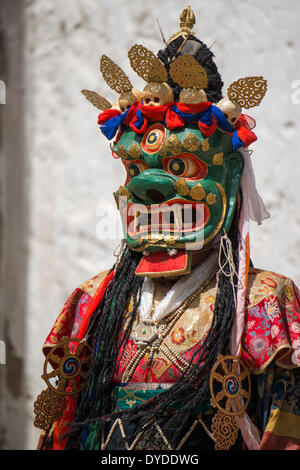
(188, 217)
(172, 251)
(177, 217)
(164, 208)
(136, 222)
(143, 210)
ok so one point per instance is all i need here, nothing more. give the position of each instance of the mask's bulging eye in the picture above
(134, 168)
(153, 138)
(177, 166)
(186, 166)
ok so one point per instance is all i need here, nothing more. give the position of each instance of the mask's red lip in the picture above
(176, 216)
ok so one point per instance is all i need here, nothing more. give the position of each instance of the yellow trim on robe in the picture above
(282, 423)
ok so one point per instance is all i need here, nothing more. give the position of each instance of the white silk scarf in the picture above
(178, 293)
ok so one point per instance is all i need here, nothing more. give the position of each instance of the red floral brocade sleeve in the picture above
(70, 323)
(271, 349)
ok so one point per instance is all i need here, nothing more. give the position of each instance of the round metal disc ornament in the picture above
(233, 384)
(70, 366)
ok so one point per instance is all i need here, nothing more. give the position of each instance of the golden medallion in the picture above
(230, 389)
(172, 145)
(121, 152)
(197, 192)
(134, 151)
(48, 408)
(218, 158)
(211, 199)
(181, 187)
(230, 381)
(70, 368)
(225, 431)
(205, 145)
(191, 142)
(123, 192)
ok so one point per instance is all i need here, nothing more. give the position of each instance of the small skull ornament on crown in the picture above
(147, 66)
(246, 92)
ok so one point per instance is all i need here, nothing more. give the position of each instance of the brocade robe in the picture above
(271, 352)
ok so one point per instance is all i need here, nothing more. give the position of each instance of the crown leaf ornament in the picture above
(97, 100)
(118, 81)
(114, 76)
(188, 73)
(147, 65)
(248, 92)
(191, 77)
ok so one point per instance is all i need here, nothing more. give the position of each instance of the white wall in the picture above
(67, 169)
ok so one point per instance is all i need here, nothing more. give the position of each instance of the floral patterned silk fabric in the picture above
(272, 329)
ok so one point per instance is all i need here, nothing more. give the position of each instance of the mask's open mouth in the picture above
(176, 216)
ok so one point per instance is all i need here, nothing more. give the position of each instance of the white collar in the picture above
(178, 293)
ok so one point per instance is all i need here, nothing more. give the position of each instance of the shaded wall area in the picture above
(14, 226)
